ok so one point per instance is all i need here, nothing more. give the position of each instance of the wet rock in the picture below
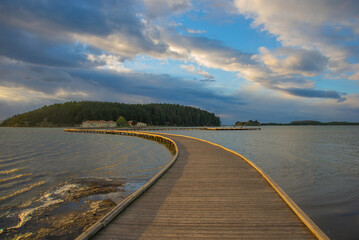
(88, 191)
(71, 224)
(66, 211)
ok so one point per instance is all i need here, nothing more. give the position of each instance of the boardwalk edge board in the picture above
(113, 213)
(295, 208)
(121, 206)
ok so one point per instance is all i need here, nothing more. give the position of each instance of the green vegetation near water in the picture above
(248, 123)
(73, 113)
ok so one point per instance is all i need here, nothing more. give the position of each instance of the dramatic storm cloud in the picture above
(243, 59)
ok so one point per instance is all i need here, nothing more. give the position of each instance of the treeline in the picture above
(73, 113)
(249, 123)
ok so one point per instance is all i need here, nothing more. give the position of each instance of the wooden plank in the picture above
(208, 193)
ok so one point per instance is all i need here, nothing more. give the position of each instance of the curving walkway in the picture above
(208, 193)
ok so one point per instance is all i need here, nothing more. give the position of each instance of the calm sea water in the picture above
(39, 165)
(317, 166)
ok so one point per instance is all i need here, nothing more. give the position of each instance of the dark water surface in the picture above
(40, 167)
(317, 166)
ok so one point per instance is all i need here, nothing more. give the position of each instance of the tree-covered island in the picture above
(74, 113)
(248, 123)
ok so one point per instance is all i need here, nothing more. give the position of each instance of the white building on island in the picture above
(141, 124)
(99, 124)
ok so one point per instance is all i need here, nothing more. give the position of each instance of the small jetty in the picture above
(205, 192)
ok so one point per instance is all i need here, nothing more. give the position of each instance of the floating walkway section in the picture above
(205, 192)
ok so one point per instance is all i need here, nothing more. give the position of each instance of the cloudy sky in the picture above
(273, 61)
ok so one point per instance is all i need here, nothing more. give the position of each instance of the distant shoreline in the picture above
(176, 128)
(311, 123)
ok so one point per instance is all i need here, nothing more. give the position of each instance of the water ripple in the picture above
(22, 190)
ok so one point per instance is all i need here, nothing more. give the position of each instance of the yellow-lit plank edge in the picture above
(296, 209)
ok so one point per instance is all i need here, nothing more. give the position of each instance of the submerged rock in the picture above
(72, 224)
(65, 211)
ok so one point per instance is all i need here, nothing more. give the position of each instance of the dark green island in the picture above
(74, 113)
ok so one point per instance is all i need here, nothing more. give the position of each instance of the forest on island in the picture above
(73, 113)
(248, 123)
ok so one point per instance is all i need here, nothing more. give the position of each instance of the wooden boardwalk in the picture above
(208, 193)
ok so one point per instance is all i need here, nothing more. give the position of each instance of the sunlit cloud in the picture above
(327, 27)
(109, 62)
(196, 70)
(57, 51)
(22, 94)
(292, 61)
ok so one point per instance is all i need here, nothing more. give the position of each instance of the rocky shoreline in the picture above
(65, 211)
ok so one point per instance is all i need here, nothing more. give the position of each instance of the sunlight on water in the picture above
(9, 171)
(22, 190)
(110, 166)
(15, 177)
(43, 169)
